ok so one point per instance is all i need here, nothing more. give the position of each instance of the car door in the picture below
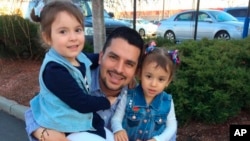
(205, 26)
(182, 26)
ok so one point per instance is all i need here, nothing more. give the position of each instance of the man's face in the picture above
(118, 65)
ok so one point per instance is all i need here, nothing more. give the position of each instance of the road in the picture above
(12, 128)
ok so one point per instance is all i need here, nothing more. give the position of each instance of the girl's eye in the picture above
(148, 76)
(161, 80)
(63, 31)
(79, 30)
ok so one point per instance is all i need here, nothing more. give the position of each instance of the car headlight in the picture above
(88, 31)
(239, 28)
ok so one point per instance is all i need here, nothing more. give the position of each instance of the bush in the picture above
(19, 38)
(212, 83)
(88, 48)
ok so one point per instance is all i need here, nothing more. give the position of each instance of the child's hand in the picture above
(111, 99)
(121, 136)
(50, 135)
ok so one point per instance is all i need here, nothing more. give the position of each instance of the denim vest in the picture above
(142, 121)
(49, 111)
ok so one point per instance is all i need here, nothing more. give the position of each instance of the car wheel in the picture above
(142, 32)
(222, 35)
(170, 36)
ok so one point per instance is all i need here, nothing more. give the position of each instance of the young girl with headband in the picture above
(147, 113)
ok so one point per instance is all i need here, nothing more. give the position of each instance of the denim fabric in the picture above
(142, 121)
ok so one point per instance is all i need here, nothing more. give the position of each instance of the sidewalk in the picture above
(12, 107)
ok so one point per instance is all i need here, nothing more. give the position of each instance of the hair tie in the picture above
(38, 9)
(174, 56)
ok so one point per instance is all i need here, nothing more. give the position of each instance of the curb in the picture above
(12, 108)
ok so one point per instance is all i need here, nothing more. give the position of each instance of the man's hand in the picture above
(49, 135)
(121, 136)
(151, 140)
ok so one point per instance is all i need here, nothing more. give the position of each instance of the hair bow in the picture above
(39, 8)
(174, 56)
(151, 47)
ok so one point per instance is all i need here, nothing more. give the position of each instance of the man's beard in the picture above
(106, 85)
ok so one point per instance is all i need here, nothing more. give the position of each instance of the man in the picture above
(118, 62)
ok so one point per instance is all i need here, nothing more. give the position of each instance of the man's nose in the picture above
(120, 67)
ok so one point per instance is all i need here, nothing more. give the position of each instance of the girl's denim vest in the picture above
(142, 121)
(49, 111)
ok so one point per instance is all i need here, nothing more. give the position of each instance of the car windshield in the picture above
(87, 9)
(142, 21)
(221, 16)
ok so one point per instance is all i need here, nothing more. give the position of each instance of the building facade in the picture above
(159, 9)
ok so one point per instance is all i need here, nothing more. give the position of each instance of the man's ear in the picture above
(100, 57)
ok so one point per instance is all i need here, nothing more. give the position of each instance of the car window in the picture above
(87, 8)
(221, 16)
(238, 12)
(202, 16)
(184, 17)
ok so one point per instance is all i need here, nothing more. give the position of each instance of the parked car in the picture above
(239, 13)
(143, 27)
(212, 24)
(86, 5)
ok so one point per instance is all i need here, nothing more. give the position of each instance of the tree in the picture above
(98, 25)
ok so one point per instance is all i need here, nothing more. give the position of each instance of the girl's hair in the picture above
(50, 11)
(162, 58)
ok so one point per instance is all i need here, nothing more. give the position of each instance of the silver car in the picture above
(143, 27)
(212, 24)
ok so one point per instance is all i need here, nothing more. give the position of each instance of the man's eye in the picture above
(130, 65)
(112, 57)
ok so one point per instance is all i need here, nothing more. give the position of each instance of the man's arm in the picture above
(31, 125)
(34, 131)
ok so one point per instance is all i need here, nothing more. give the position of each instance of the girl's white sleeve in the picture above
(116, 121)
(171, 126)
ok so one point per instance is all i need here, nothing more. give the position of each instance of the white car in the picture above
(143, 27)
(212, 24)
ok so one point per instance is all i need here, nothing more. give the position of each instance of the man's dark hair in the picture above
(128, 34)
